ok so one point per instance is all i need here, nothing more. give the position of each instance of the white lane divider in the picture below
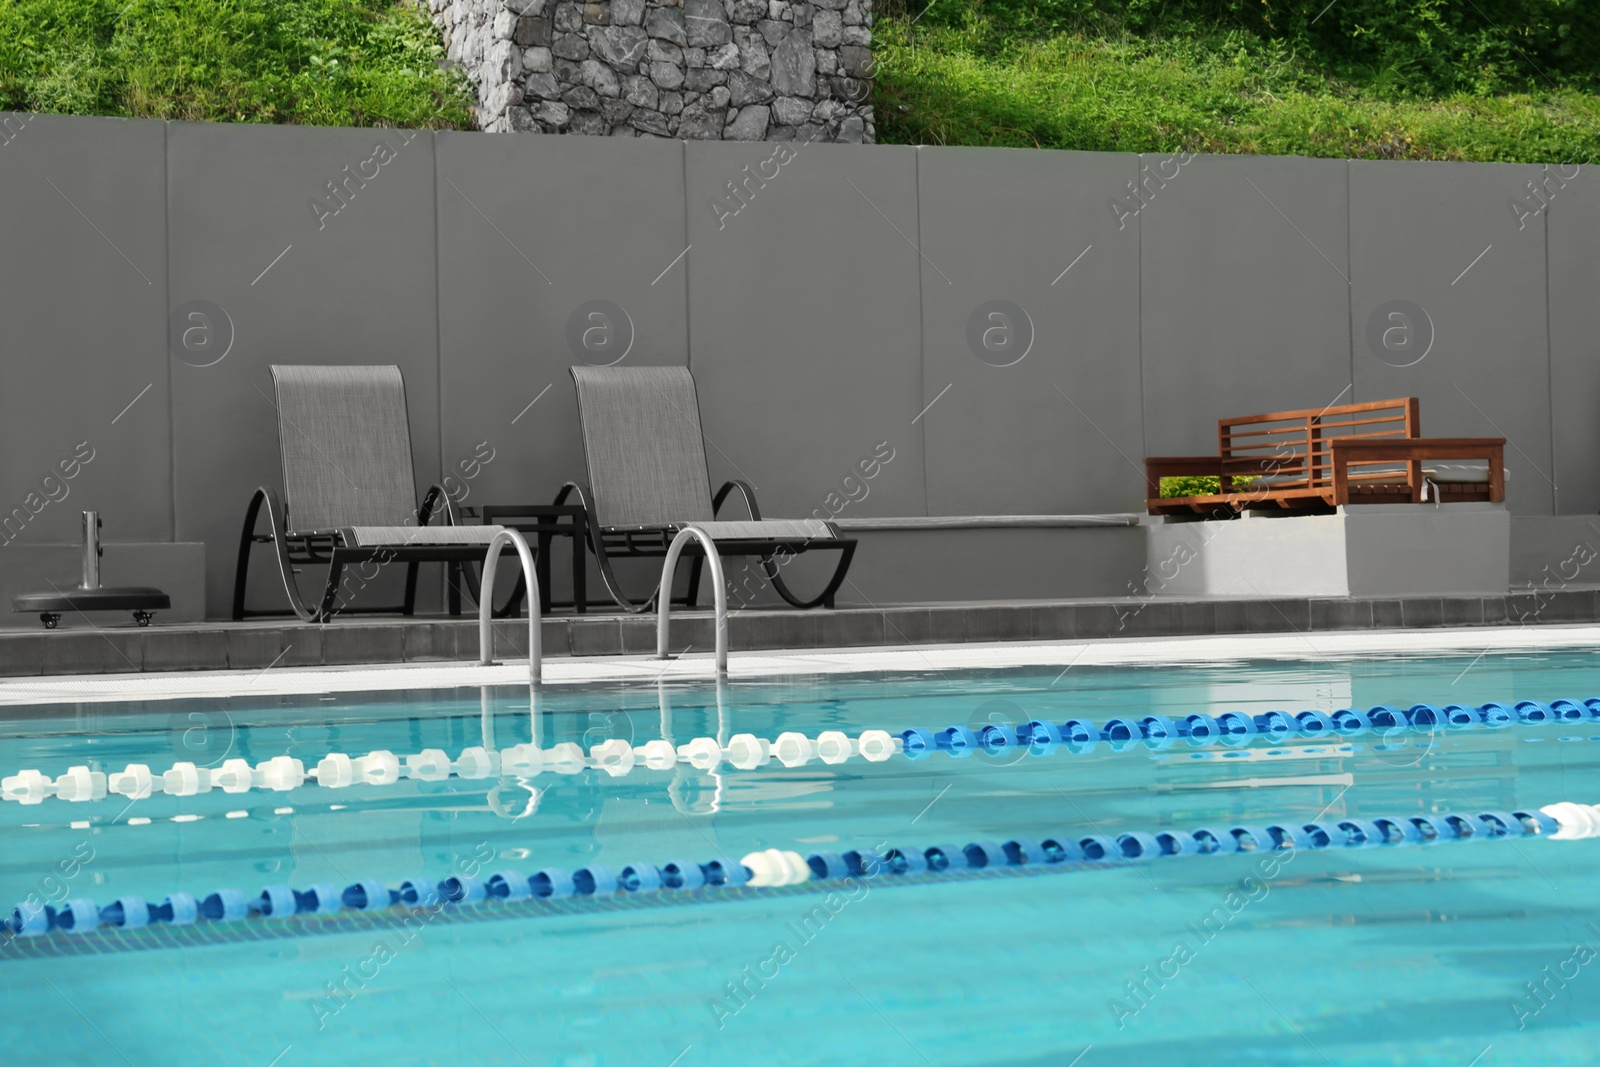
(339, 770)
(775, 867)
(1577, 821)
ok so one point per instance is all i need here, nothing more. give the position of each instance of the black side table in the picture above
(545, 520)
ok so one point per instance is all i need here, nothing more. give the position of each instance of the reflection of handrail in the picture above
(664, 704)
(664, 593)
(616, 756)
(486, 716)
(485, 632)
(486, 719)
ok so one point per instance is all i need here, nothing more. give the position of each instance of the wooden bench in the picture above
(1320, 458)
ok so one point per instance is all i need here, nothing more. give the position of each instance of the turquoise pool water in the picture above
(1405, 955)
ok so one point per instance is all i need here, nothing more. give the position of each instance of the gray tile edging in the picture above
(217, 646)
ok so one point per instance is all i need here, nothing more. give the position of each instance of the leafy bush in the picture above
(1432, 47)
(1377, 79)
(318, 62)
(1199, 485)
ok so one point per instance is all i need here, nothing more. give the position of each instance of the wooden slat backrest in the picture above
(1294, 448)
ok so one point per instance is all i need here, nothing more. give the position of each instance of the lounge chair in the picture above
(648, 480)
(350, 492)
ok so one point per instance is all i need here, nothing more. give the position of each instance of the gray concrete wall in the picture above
(1481, 356)
(1365, 551)
(1574, 247)
(1420, 549)
(1030, 333)
(916, 566)
(1243, 295)
(1551, 553)
(291, 273)
(1019, 327)
(84, 376)
(804, 339)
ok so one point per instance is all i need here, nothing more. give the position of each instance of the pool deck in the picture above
(1469, 645)
(82, 648)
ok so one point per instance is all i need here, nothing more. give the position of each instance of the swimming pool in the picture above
(1387, 954)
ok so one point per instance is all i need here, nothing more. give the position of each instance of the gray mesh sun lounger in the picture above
(648, 479)
(350, 492)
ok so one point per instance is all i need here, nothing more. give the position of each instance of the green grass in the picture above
(316, 62)
(1493, 80)
(967, 75)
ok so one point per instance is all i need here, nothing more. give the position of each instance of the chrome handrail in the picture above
(486, 597)
(664, 594)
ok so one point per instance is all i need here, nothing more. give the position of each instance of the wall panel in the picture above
(1030, 333)
(548, 248)
(803, 322)
(1437, 245)
(1574, 236)
(827, 297)
(83, 299)
(305, 246)
(1244, 296)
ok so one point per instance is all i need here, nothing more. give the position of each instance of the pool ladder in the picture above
(663, 598)
(664, 593)
(491, 560)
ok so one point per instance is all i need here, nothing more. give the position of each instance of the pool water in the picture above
(1394, 955)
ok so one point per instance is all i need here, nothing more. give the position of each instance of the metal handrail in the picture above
(664, 594)
(485, 605)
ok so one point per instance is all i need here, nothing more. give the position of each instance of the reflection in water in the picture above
(695, 792)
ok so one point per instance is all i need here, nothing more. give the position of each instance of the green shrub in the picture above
(1199, 485)
(318, 62)
(1432, 47)
(1228, 76)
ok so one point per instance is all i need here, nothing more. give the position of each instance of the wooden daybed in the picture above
(1320, 458)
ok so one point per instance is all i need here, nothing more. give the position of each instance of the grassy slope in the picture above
(986, 84)
(318, 62)
(969, 73)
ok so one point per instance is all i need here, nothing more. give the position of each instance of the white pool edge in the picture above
(1154, 651)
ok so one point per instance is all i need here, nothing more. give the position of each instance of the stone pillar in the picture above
(738, 70)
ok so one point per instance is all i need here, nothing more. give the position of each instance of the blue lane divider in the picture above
(1236, 728)
(82, 915)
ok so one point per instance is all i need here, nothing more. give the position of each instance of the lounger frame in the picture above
(644, 448)
(652, 542)
(347, 451)
(316, 547)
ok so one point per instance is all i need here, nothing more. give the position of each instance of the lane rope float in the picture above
(1238, 728)
(616, 757)
(381, 767)
(779, 868)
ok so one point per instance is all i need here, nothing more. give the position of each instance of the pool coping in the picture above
(1473, 642)
(80, 647)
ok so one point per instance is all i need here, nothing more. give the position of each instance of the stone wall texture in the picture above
(738, 70)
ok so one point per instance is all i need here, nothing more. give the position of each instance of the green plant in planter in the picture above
(1199, 485)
